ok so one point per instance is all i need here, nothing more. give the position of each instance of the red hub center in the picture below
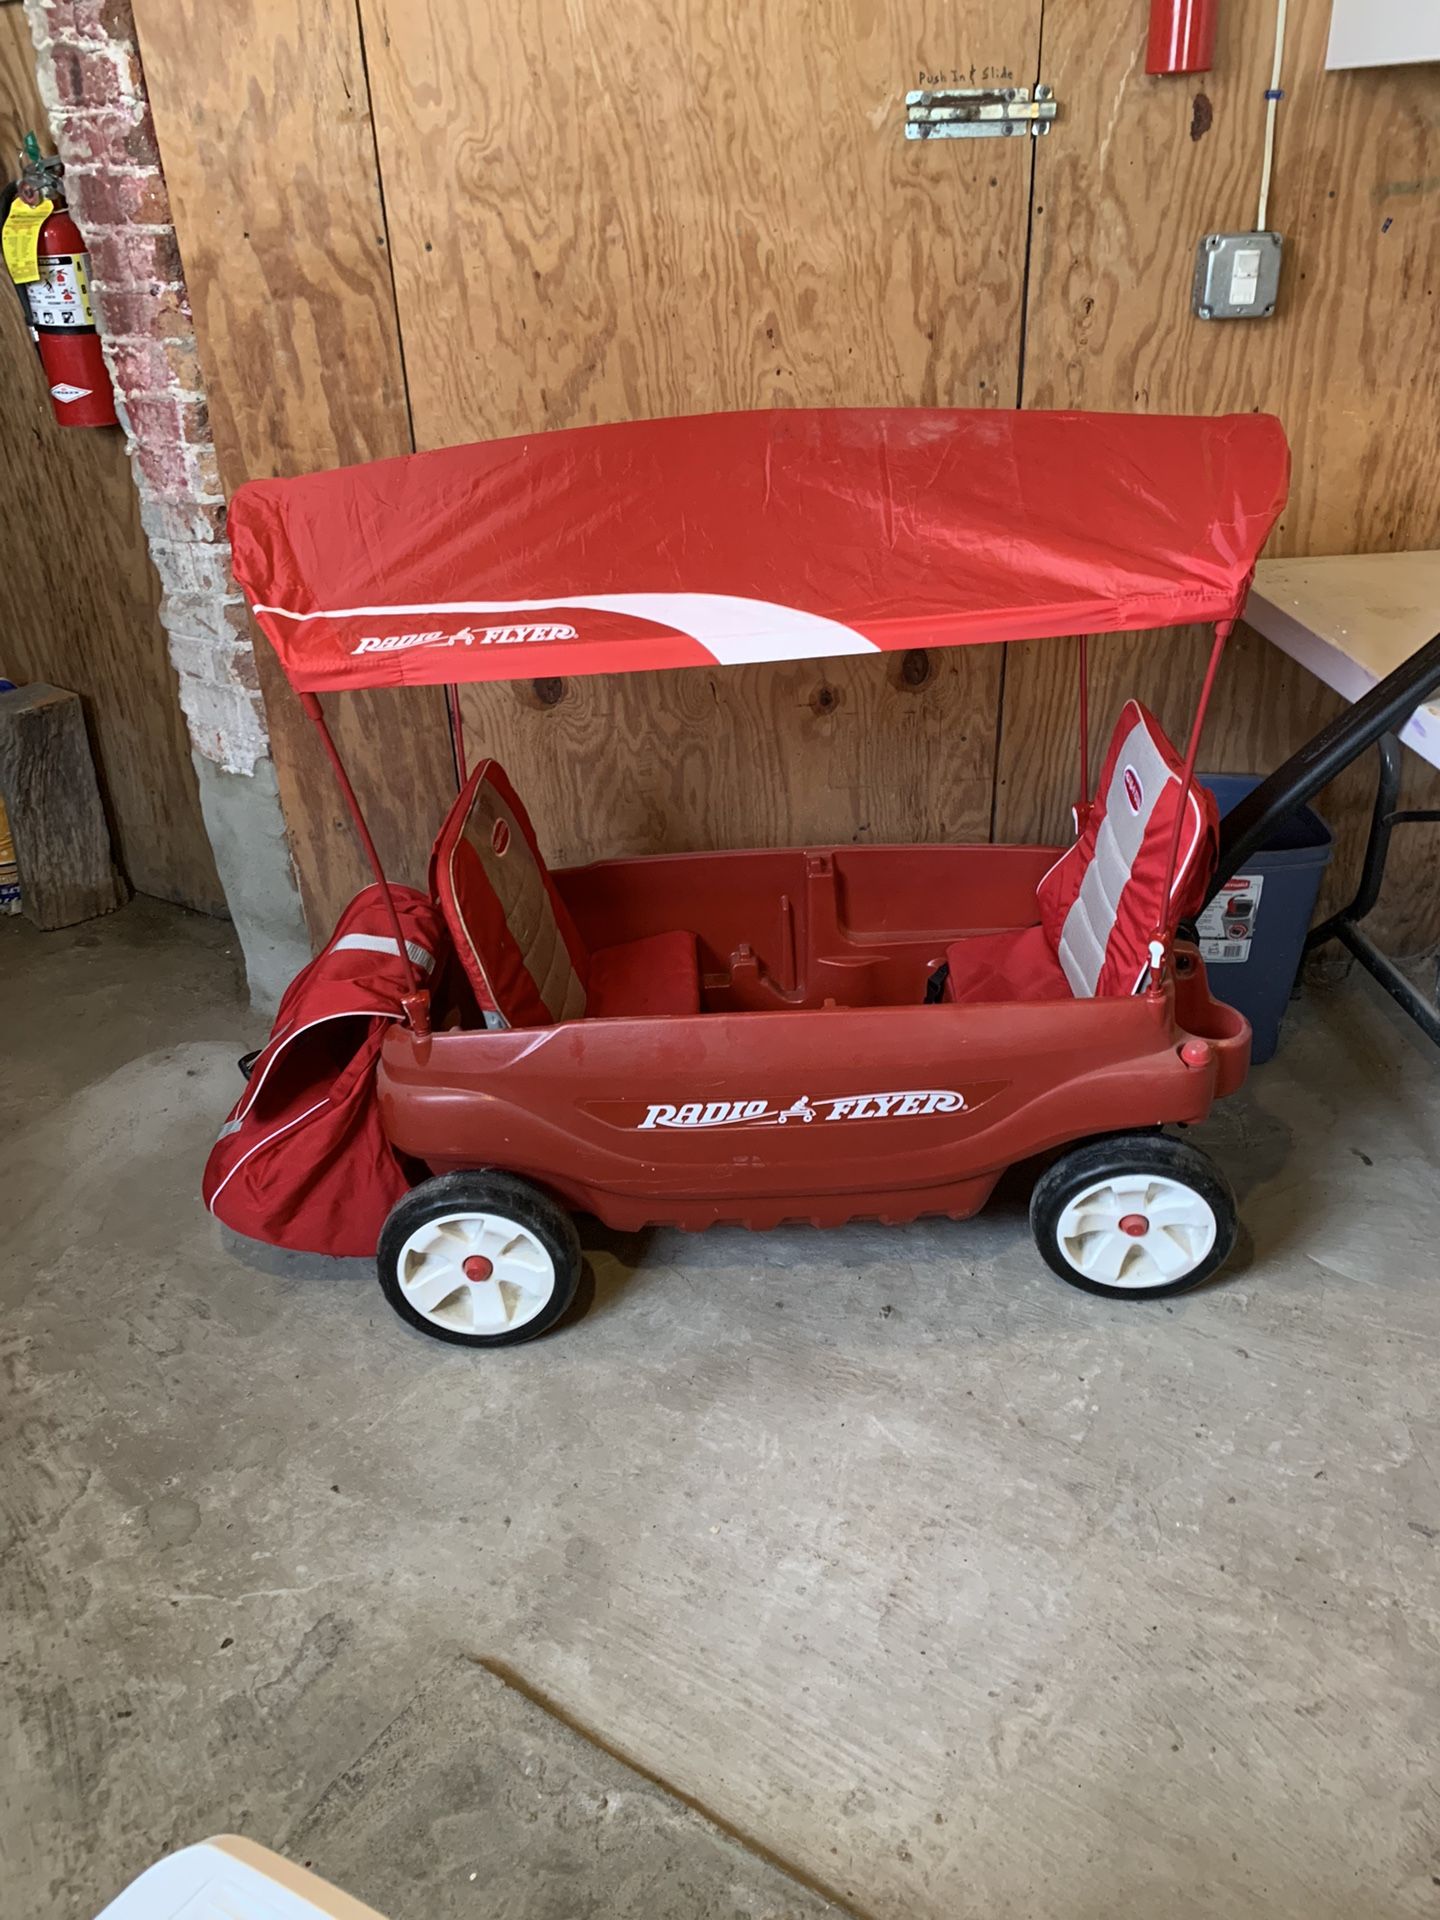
(478, 1268)
(1135, 1224)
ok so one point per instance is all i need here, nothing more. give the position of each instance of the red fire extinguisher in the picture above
(47, 260)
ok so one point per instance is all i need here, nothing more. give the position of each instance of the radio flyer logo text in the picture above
(912, 1104)
(464, 637)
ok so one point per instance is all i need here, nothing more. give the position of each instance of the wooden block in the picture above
(47, 779)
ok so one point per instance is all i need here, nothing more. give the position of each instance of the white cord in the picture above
(1272, 100)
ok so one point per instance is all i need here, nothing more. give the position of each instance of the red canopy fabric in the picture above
(754, 536)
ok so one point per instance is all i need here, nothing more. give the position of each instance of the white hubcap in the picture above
(476, 1273)
(1136, 1230)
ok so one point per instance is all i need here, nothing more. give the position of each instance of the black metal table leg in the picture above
(1260, 815)
(1345, 925)
(1377, 846)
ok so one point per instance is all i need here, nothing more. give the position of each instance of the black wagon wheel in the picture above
(480, 1259)
(1134, 1216)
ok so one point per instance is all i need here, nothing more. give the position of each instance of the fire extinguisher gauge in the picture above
(41, 174)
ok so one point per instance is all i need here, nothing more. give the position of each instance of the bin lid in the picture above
(1302, 839)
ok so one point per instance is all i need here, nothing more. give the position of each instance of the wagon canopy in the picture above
(734, 537)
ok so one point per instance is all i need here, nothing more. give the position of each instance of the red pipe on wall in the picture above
(1182, 36)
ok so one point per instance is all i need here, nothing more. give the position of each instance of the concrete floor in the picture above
(959, 1591)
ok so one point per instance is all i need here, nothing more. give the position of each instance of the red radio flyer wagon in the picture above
(818, 1034)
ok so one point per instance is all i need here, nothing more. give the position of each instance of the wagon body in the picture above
(814, 1084)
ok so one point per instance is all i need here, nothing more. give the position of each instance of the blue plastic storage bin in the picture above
(1253, 934)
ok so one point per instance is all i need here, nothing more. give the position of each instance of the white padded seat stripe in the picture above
(1140, 778)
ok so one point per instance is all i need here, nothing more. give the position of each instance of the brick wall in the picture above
(94, 92)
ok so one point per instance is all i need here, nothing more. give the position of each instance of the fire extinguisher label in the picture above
(65, 393)
(21, 239)
(60, 298)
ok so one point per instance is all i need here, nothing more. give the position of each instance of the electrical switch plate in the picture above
(1237, 276)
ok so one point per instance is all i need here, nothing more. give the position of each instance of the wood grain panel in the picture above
(886, 748)
(52, 802)
(604, 212)
(263, 118)
(1126, 185)
(78, 596)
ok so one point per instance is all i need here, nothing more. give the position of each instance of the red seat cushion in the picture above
(520, 949)
(660, 974)
(515, 938)
(1016, 964)
(1100, 903)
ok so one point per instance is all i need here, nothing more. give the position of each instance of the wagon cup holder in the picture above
(1200, 1016)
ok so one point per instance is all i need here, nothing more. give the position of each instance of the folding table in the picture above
(1366, 624)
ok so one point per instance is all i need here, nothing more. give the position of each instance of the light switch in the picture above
(1237, 276)
(1244, 277)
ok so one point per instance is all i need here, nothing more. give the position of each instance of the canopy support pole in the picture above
(1158, 945)
(457, 731)
(414, 990)
(1083, 804)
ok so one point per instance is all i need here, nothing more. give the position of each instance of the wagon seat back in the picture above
(520, 948)
(1098, 906)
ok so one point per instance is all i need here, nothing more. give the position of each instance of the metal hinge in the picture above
(977, 113)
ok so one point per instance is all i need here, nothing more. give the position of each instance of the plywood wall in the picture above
(78, 596)
(263, 118)
(423, 221)
(619, 212)
(1143, 168)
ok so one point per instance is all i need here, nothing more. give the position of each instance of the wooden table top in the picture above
(1351, 618)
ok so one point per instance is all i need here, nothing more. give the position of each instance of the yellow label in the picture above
(21, 239)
